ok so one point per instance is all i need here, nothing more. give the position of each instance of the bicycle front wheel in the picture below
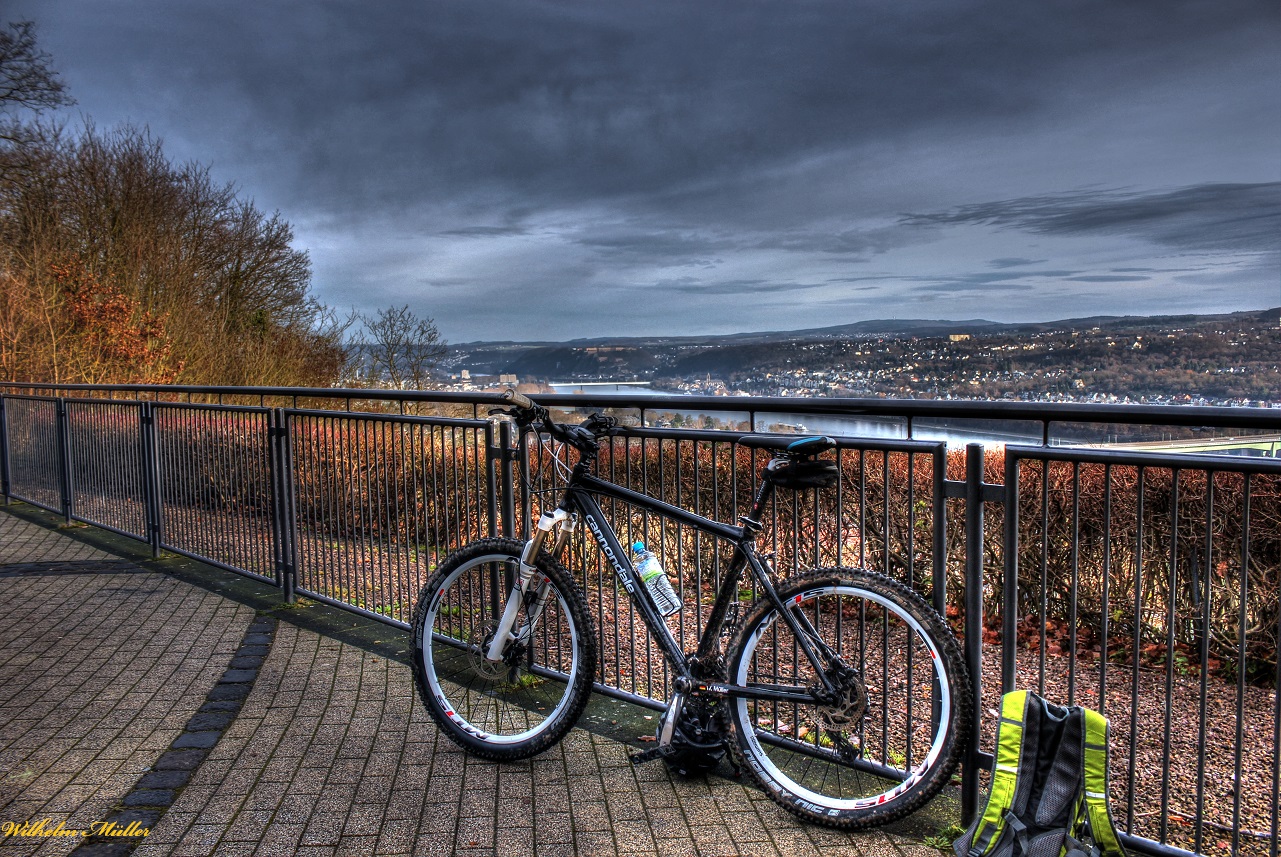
(521, 705)
(890, 737)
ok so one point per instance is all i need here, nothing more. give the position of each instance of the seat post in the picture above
(752, 520)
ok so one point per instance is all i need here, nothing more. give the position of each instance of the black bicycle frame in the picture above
(579, 497)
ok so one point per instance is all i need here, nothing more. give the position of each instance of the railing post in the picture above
(973, 622)
(151, 475)
(507, 487)
(939, 546)
(285, 545)
(1010, 597)
(492, 456)
(4, 449)
(64, 460)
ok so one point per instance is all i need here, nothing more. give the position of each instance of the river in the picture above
(894, 429)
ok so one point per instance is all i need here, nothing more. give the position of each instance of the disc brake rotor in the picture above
(846, 712)
(478, 644)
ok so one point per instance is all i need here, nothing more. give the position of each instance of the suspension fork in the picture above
(503, 635)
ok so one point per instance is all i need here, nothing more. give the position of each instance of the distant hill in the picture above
(892, 327)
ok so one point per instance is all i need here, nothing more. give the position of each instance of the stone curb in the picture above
(158, 788)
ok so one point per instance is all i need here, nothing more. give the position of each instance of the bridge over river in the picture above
(1268, 445)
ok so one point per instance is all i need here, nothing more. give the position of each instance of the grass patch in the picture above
(944, 838)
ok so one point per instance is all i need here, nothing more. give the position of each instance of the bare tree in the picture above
(232, 290)
(401, 347)
(28, 85)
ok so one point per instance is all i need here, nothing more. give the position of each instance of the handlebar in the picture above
(583, 437)
(519, 400)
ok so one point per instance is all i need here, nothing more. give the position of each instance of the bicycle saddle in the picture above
(789, 444)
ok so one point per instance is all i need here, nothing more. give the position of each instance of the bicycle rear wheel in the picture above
(893, 735)
(523, 704)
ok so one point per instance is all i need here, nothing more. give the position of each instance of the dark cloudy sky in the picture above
(563, 168)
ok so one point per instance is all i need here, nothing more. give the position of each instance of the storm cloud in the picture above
(510, 164)
(1244, 217)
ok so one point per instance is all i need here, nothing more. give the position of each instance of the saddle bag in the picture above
(796, 474)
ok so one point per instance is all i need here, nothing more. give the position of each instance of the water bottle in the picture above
(654, 576)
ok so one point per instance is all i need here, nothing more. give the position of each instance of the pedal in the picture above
(648, 755)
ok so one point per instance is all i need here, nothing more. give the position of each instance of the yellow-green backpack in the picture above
(1049, 794)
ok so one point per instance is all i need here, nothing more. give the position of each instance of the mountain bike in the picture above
(842, 691)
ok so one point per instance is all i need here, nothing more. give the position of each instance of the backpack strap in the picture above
(1009, 745)
(1098, 809)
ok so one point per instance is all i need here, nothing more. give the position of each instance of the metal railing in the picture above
(1138, 582)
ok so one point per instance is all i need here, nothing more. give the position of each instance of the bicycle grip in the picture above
(517, 399)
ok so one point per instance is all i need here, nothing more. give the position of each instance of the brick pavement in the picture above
(330, 754)
(333, 754)
(102, 664)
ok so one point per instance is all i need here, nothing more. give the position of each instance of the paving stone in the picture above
(149, 797)
(210, 720)
(196, 740)
(180, 760)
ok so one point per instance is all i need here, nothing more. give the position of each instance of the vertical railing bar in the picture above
(1107, 579)
(388, 465)
(1136, 647)
(1203, 699)
(1076, 578)
(414, 525)
(230, 454)
(459, 507)
(437, 508)
(1010, 575)
(173, 472)
(64, 459)
(508, 495)
(385, 465)
(147, 413)
(314, 532)
(1276, 744)
(1045, 570)
(526, 499)
(251, 428)
(4, 449)
(341, 430)
(1242, 628)
(209, 457)
(318, 445)
(1170, 591)
(938, 518)
(973, 620)
(911, 583)
(274, 516)
(885, 513)
(368, 550)
(289, 488)
(348, 503)
(403, 585)
(163, 467)
(361, 509)
(496, 478)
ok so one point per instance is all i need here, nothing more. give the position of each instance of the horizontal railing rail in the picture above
(1141, 582)
(906, 409)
